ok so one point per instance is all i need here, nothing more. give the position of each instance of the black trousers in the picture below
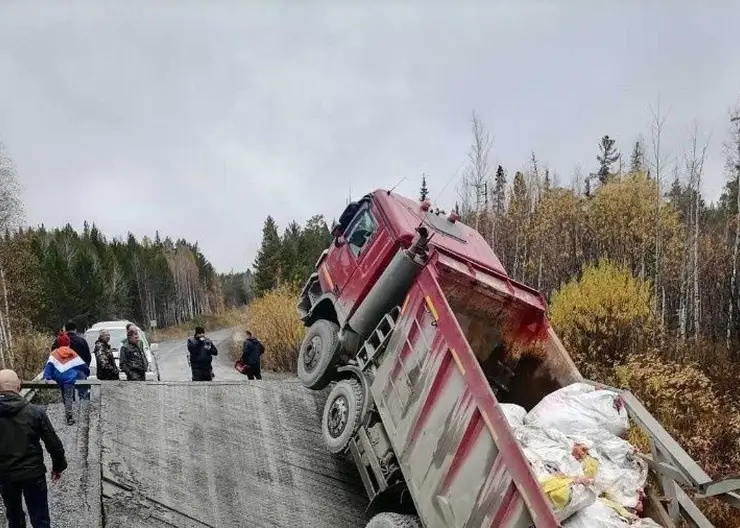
(201, 374)
(254, 372)
(35, 493)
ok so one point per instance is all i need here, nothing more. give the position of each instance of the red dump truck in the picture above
(414, 321)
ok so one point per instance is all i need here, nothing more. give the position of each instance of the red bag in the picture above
(242, 368)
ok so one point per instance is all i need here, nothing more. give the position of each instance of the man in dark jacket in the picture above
(104, 359)
(77, 343)
(132, 359)
(200, 355)
(251, 353)
(22, 469)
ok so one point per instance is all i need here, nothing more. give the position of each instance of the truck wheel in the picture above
(393, 520)
(342, 414)
(318, 350)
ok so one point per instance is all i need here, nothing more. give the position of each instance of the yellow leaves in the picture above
(602, 317)
(273, 320)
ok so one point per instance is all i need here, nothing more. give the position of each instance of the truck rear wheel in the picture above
(318, 351)
(393, 520)
(342, 414)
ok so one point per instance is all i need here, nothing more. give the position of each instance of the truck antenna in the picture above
(396, 185)
(452, 178)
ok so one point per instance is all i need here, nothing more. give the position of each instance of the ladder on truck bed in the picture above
(675, 468)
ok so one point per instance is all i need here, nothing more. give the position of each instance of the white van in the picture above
(117, 331)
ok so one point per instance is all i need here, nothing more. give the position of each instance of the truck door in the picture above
(354, 249)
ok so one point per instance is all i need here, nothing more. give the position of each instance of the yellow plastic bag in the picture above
(557, 489)
(590, 466)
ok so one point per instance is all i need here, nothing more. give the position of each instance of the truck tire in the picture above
(342, 414)
(394, 520)
(318, 351)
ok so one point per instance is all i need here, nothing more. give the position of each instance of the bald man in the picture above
(22, 470)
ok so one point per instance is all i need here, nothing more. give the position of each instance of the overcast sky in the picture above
(199, 119)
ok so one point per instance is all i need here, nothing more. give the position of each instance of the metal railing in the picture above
(675, 468)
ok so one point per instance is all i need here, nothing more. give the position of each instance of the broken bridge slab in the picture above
(222, 454)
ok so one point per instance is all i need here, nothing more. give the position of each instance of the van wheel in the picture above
(318, 351)
(393, 520)
(342, 414)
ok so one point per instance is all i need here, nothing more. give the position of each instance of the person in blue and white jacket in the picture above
(66, 367)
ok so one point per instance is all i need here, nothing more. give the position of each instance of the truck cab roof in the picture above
(404, 215)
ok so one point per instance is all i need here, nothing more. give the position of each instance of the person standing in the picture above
(200, 355)
(104, 359)
(66, 367)
(23, 426)
(129, 326)
(132, 359)
(252, 351)
(77, 343)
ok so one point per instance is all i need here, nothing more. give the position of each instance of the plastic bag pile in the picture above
(591, 476)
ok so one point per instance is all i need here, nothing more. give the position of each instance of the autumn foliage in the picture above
(604, 319)
(273, 319)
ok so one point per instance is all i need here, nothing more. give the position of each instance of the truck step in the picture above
(375, 344)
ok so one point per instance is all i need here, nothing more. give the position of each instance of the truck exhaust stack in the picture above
(389, 290)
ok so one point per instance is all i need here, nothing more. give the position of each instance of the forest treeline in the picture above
(56, 275)
(51, 276)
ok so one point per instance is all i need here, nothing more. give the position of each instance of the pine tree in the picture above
(424, 192)
(499, 191)
(267, 272)
(637, 160)
(607, 157)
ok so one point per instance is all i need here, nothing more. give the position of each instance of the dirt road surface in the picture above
(231, 453)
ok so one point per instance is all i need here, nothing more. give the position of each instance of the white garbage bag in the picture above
(579, 407)
(605, 514)
(549, 451)
(514, 414)
(560, 475)
(597, 515)
(621, 474)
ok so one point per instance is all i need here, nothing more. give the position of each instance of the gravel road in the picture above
(229, 453)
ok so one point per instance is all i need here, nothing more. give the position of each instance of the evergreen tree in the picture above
(607, 156)
(499, 191)
(267, 266)
(637, 159)
(424, 192)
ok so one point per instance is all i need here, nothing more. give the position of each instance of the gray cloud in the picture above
(199, 120)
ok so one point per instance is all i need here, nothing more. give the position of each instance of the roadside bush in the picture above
(602, 318)
(274, 321)
(685, 401)
(31, 350)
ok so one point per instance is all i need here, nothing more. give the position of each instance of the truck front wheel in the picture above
(318, 351)
(393, 520)
(342, 414)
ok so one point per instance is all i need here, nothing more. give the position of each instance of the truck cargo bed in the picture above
(458, 455)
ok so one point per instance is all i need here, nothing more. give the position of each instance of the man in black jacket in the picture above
(200, 355)
(251, 353)
(22, 469)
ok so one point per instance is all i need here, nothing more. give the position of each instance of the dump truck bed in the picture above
(458, 455)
